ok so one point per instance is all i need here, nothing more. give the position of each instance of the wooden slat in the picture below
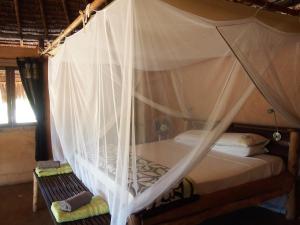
(271, 6)
(17, 12)
(66, 11)
(42, 11)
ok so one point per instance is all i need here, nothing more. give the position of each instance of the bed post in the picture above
(134, 220)
(293, 169)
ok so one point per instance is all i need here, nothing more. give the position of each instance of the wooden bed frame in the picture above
(195, 211)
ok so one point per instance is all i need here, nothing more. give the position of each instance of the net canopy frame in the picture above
(137, 63)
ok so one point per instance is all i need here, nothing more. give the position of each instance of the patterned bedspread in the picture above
(148, 173)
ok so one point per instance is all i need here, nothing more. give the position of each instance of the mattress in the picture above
(217, 170)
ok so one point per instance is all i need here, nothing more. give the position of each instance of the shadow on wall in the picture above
(17, 146)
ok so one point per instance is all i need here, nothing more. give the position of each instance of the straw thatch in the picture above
(24, 22)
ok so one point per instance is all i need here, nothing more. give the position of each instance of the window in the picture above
(15, 108)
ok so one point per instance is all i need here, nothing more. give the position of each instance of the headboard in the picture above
(280, 148)
(287, 147)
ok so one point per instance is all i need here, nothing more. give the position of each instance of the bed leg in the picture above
(291, 205)
(293, 169)
(35, 194)
(134, 220)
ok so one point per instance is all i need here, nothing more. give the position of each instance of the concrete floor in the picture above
(16, 209)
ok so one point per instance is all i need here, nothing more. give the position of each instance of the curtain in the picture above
(31, 72)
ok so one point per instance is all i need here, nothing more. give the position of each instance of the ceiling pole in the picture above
(16, 6)
(43, 18)
(66, 11)
(78, 21)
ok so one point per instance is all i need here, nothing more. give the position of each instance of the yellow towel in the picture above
(64, 168)
(96, 207)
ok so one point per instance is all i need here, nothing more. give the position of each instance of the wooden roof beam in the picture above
(78, 21)
(64, 3)
(270, 6)
(25, 36)
(42, 11)
(17, 12)
(289, 3)
(275, 7)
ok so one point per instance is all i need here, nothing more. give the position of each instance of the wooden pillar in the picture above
(47, 107)
(10, 79)
(134, 220)
(293, 169)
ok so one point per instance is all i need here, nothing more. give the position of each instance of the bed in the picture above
(217, 170)
(224, 182)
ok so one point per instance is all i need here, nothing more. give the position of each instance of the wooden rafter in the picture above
(271, 6)
(291, 3)
(78, 21)
(16, 5)
(276, 7)
(64, 3)
(41, 4)
(27, 36)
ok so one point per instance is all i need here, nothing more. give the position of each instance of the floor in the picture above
(251, 216)
(16, 209)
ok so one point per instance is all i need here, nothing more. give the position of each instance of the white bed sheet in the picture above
(217, 170)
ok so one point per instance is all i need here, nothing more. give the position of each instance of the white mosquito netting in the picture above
(137, 71)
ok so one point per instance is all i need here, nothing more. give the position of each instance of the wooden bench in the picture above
(60, 187)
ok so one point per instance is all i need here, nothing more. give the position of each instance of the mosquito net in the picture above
(141, 68)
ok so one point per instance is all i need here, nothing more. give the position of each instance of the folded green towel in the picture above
(64, 168)
(96, 207)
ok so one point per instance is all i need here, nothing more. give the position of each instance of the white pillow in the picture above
(190, 137)
(240, 151)
(238, 144)
(242, 140)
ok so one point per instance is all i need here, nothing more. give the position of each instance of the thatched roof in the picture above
(32, 20)
(291, 7)
(27, 21)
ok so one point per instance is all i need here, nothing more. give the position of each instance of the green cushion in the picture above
(96, 207)
(64, 168)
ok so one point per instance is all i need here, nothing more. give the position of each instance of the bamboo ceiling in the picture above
(291, 7)
(28, 21)
(25, 22)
